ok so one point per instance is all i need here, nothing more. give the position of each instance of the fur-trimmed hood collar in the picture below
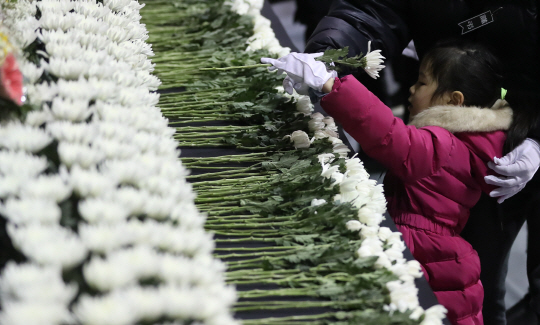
(466, 119)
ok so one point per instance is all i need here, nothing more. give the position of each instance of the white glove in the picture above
(517, 168)
(303, 71)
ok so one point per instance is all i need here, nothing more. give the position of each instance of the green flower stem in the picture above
(280, 253)
(228, 173)
(273, 305)
(230, 198)
(214, 175)
(238, 191)
(215, 128)
(196, 135)
(253, 249)
(246, 239)
(253, 225)
(224, 159)
(308, 292)
(164, 107)
(194, 120)
(237, 67)
(233, 181)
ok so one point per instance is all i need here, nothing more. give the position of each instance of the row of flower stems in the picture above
(222, 182)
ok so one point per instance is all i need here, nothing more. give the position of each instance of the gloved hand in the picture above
(303, 71)
(517, 168)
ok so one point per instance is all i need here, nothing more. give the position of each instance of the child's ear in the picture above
(456, 98)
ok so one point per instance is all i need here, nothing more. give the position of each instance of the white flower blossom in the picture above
(17, 136)
(369, 217)
(317, 202)
(25, 313)
(48, 244)
(403, 295)
(300, 139)
(96, 210)
(354, 225)
(21, 164)
(374, 61)
(31, 282)
(304, 105)
(434, 315)
(31, 210)
(79, 154)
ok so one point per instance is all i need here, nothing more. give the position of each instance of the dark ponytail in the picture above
(526, 107)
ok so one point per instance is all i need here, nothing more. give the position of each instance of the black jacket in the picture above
(390, 24)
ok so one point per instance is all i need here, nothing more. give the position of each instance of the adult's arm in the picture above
(353, 23)
(408, 152)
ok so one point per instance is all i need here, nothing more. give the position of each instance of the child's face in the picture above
(422, 93)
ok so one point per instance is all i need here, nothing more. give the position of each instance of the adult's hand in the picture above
(303, 71)
(516, 169)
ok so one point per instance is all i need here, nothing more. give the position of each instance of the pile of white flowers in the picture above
(357, 188)
(263, 35)
(117, 164)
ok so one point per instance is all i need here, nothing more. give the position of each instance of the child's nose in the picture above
(411, 90)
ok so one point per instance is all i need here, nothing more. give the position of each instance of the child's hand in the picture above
(303, 71)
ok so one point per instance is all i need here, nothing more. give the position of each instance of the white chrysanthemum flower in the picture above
(104, 310)
(38, 118)
(384, 233)
(325, 133)
(315, 125)
(43, 92)
(10, 184)
(21, 164)
(187, 215)
(158, 207)
(103, 237)
(370, 247)
(98, 210)
(90, 9)
(195, 242)
(70, 69)
(114, 149)
(403, 296)
(328, 170)
(91, 183)
(79, 154)
(48, 245)
(369, 232)
(300, 139)
(31, 210)
(354, 225)
(70, 109)
(304, 105)
(369, 217)
(79, 91)
(317, 202)
(31, 282)
(374, 61)
(131, 198)
(30, 71)
(104, 275)
(434, 315)
(66, 131)
(25, 313)
(17, 136)
(125, 171)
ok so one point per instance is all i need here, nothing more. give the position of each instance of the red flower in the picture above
(11, 80)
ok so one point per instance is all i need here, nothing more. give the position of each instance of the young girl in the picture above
(437, 163)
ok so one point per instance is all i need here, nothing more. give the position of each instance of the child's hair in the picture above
(472, 69)
(460, 65)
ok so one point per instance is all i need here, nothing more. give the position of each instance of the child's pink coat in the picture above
(435, 175)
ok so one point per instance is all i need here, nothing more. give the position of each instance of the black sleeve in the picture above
(353, 23)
